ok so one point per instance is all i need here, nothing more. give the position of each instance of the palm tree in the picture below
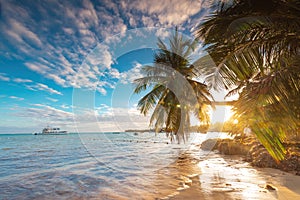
(174, 93)
(256, 45)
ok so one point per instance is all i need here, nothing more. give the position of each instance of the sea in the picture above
(117, 165)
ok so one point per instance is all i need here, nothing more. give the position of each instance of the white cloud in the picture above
(20, 80)
(47, 71)
(101, 57)
(17, 98)
(68, 31)
(52, 99)
(16, 30)
(102, 118)
(64, 106)
(39, 116)
(132, 20)
(132, 74)
(24, 32)
(162, 33)
(77, 28)
(61, 54)
(102, 90)
(4, 77)
(92, 74)
(89, 13)
(147, 21)
(167, 12)
(38, 67)
(106, 118)
(38, 105)
(57, 79)
(114, 73)
(43, 87)
(46, 112)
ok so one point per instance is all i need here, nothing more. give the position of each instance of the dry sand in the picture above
(287, 184)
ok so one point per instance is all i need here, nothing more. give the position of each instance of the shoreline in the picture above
(230, 177)
(193, 174)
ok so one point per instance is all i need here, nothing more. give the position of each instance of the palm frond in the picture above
(149, 101)
(255, 50)
(171, 73)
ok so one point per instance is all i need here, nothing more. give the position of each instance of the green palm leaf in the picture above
(256, 51)
(171, 111)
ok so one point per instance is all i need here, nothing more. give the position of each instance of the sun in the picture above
(221, 114)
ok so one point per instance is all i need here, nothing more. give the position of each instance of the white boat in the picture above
(51, 131)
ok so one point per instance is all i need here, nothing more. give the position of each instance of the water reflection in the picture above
(236, 178)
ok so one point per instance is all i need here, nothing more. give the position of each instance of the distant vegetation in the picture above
(140, 130)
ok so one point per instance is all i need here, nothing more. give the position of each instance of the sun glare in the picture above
(221, 114)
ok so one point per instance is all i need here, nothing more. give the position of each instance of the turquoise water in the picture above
(86, 166)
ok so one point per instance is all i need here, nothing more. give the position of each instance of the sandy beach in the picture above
(229, 177)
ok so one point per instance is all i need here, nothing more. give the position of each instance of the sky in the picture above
(71, 63)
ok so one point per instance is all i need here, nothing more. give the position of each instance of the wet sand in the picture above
(205, 175)
(213, 177)
(229, 177)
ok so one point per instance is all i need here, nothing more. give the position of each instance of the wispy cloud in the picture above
(102, 118)
(38, 67)
(4, 77)
(16, 98)
(52, 99)
(106, 118)
(166, 13)
(43, 87)
(162, 33)
(64, 106)
(132, 74)
(45, 112)
(38, 105)
(21, 33)
(20, 80)
(76, 29)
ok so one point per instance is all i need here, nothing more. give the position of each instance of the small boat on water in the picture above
(51, 131)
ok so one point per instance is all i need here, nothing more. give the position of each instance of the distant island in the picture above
(199, 129)
(140, 130)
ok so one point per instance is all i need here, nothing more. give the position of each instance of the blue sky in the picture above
(62, 61)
